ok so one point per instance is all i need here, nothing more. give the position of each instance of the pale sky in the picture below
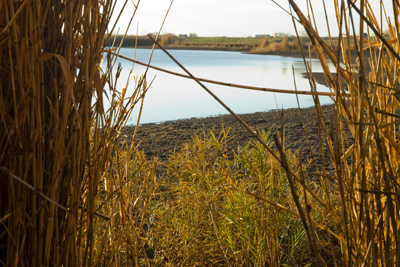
(233, 18)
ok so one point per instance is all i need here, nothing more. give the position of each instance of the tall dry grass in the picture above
(57, 140)
(350, 218)
(70, 196)
(367, 170)
(358, 204)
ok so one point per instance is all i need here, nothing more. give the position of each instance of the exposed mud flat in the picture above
(160, 140)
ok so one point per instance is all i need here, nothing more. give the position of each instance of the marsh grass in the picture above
(57, 140)
(203, 212)
(367, 169)
(105, 205)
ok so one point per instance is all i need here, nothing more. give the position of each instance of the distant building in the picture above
(262, 35)
(182, 35)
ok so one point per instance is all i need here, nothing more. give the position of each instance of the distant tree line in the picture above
(144, 40)
(130, 41)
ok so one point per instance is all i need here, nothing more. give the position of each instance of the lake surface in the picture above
(171, 97)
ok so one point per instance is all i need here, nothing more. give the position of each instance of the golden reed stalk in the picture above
(367, 179)
(57, 140)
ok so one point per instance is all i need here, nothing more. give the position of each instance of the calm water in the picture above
(171, 97)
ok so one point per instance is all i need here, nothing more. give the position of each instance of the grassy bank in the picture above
(221, 43)
(143, 40)
(244, 40)
(255, 45)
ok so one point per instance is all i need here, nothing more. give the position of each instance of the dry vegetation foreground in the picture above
(72, 195)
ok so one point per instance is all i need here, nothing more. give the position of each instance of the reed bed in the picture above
(367, 169)
(366, 176)
(57, 140)
(71, 196)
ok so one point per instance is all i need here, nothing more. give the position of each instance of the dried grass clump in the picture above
(204, 211)
(267, 46)
(171, 39)
(265, 41)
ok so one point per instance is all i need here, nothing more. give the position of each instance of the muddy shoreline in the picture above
(160, 140)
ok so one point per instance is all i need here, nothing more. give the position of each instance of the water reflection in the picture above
(172, 97)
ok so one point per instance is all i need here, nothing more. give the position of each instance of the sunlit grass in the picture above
(203, 211)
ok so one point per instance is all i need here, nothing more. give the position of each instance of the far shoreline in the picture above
(319, 77)
(294, 53)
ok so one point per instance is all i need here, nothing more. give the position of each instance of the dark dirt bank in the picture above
(159, 140)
